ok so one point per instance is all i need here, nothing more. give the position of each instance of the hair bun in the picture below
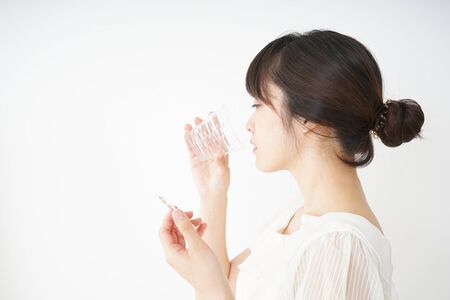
(403, 122)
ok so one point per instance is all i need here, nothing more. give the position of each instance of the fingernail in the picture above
(178, 215)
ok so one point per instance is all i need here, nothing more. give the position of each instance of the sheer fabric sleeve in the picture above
(338, 265)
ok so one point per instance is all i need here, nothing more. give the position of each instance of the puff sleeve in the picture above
(338, 265)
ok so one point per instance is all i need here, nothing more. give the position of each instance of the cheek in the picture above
(285, 147)
(270, 135)
(271, 157)
(274, 144)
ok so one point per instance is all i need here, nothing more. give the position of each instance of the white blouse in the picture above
(338, 255)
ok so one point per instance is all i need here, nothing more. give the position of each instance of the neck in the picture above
(328, 185)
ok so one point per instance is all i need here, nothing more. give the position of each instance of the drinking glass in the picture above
(214, 136)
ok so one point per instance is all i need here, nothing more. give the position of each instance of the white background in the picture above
(93, 100)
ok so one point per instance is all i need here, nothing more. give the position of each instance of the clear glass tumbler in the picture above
(214, 136)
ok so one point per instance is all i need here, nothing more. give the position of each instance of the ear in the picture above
(308, 126)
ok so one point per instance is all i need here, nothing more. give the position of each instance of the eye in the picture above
(255, 105)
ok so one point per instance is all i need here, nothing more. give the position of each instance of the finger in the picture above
(168, 228)
(201, 229)
(219, 143)
(180, 238)
(196, 222)
(167, 224)
(197, 120)
(184, 225)
(189, 213)
(167, 235)
(223, 145)
(188, 141)
(177, 236)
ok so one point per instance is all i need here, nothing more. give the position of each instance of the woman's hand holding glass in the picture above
(212, 177)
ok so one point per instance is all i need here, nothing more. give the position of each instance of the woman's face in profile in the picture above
(274, 149)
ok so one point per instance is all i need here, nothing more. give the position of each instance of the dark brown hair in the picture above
(333, 80)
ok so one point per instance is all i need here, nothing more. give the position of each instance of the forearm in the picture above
(213, 211)
(223, 293)
(229, 296)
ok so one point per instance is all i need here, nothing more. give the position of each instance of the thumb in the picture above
(184, 224)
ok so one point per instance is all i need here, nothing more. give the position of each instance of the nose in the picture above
(249, 124)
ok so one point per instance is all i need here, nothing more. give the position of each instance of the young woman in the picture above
(319, 104)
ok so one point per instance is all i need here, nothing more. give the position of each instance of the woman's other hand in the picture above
(189, 255)
(212, 177)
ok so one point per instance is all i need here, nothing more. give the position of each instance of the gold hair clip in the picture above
(381, 118)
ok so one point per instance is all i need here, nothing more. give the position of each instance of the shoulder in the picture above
(339, 238)
(342, 263)
(336, 250)
(343, 244)
(348, 228)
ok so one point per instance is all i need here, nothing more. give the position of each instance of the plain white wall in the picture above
(93, 99)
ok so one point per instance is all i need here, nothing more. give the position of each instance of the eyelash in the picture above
(255, 105)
